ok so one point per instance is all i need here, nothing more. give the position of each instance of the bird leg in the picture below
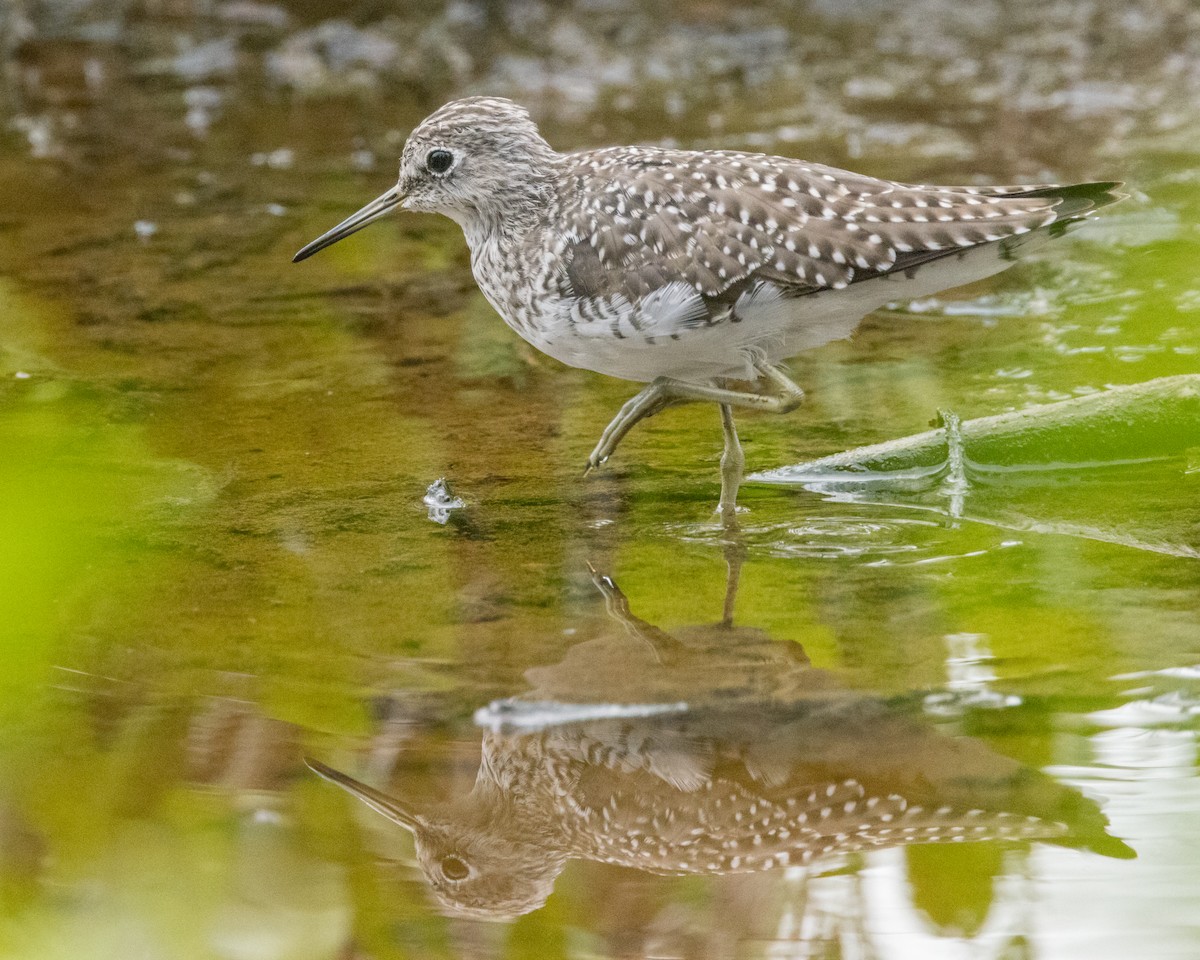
(667, 392)
(733, 461)
(790, 395)
(653, 399)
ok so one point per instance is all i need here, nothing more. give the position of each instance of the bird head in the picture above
(479, 859)
(479, 161)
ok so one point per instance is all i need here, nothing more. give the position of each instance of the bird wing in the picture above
(707, 226)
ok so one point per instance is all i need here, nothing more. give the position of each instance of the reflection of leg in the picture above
(666, 392)
(735, 553)
(732, 463)
(616, 604)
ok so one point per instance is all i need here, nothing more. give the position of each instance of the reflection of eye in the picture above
(439, 161)
(454, 868)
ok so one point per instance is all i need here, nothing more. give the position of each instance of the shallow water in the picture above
(221, 552)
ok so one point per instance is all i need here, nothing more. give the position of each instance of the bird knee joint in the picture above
(790, 401)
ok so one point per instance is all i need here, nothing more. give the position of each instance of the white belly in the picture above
(722, 350)
(667, 334)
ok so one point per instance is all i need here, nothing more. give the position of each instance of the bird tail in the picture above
(1076, 200)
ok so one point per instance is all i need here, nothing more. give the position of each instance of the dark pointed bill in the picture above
(390, 807)
(368, 214)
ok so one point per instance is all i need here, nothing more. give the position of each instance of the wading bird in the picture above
(696, 271)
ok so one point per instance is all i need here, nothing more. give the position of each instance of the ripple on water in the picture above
(828, 537)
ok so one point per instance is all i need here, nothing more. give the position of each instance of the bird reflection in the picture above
(709, 751)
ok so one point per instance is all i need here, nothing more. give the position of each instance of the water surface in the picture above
(216, 555)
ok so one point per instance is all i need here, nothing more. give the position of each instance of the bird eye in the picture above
(454, 868)
(439, 161)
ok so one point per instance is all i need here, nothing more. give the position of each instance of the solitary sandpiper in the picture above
(687, 270)
(707, 751)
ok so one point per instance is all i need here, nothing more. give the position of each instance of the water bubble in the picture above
(441, 501)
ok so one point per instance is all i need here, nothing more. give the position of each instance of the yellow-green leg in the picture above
(667, 392)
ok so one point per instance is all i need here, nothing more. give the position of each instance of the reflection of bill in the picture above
(777, 769)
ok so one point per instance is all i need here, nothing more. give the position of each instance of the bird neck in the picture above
(518, 203)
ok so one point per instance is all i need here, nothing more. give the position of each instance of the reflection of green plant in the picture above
(487, 350)
(77, 495)
(195, 880)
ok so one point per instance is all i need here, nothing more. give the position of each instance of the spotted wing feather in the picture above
(709, 226)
